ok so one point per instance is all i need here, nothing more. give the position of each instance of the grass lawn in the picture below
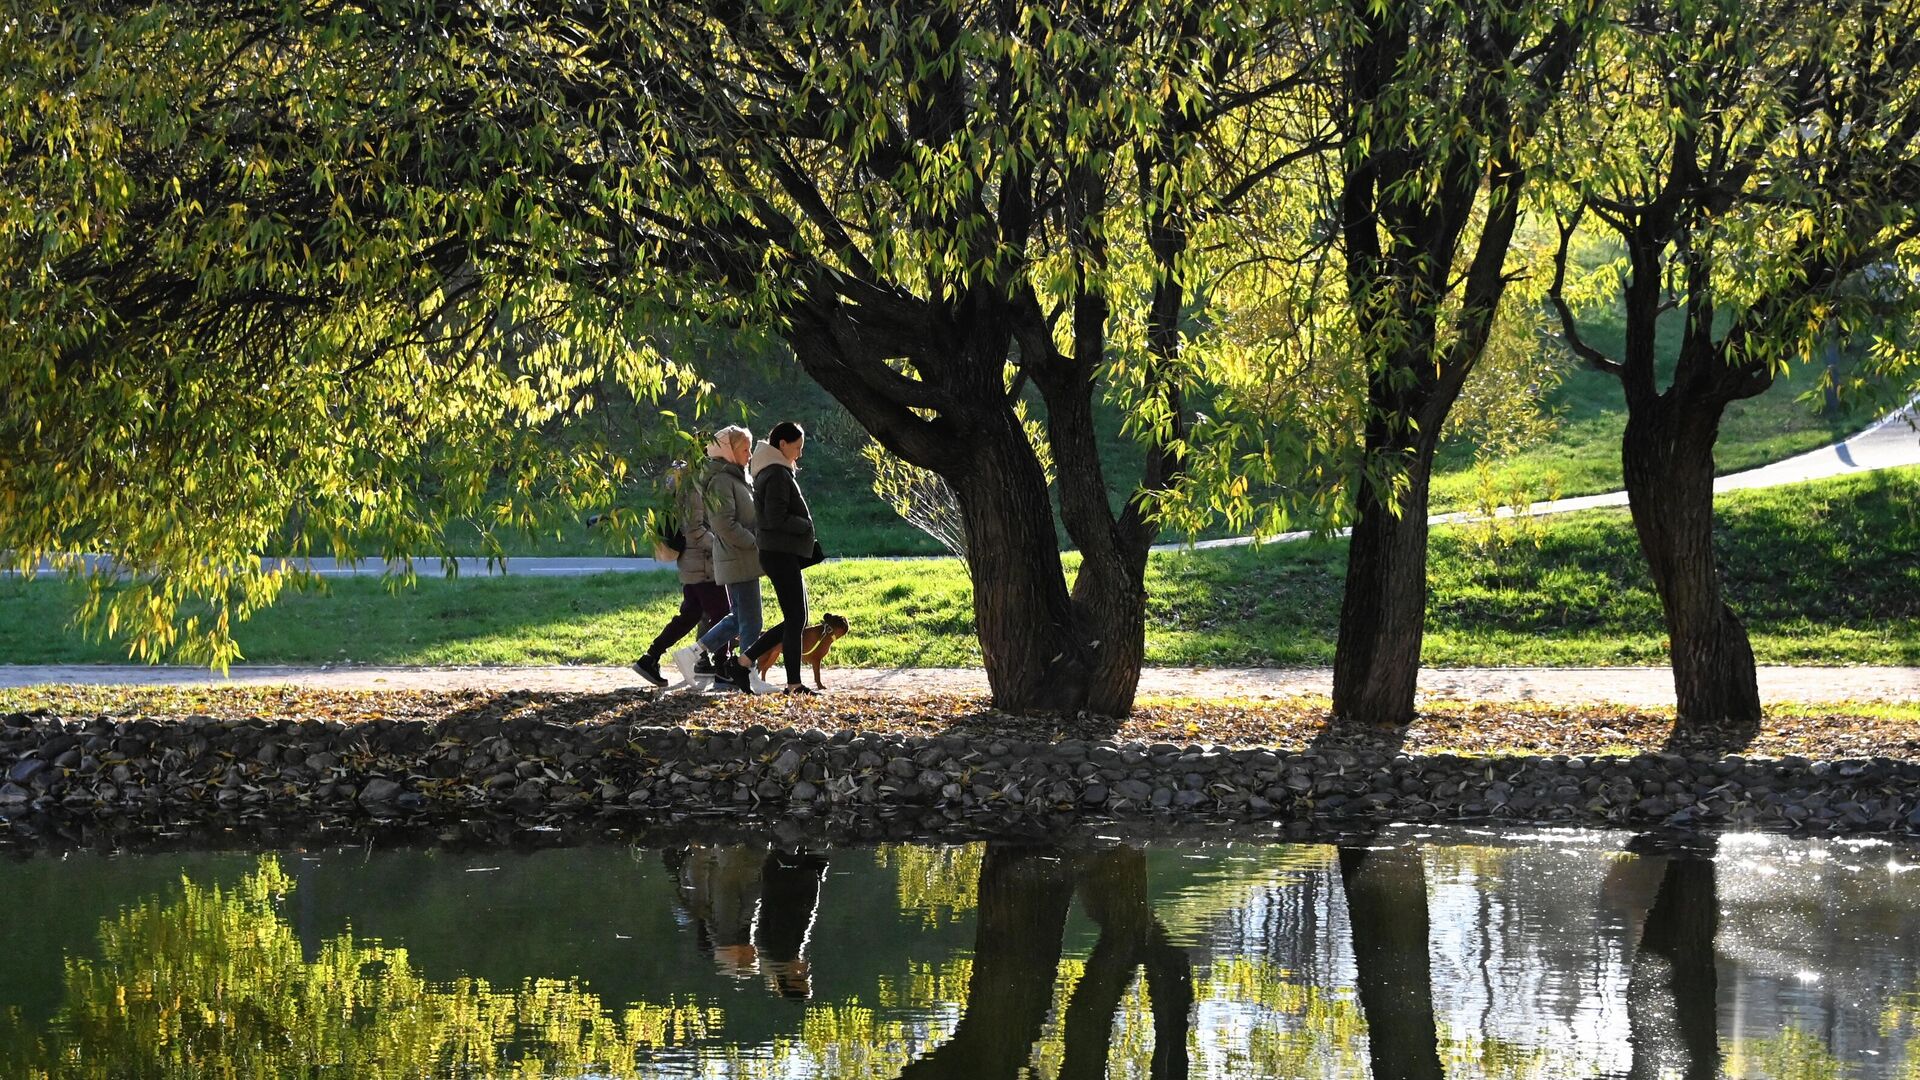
(1585, 450)
(1823, 573)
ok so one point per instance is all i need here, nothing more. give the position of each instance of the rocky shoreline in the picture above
(183, 768)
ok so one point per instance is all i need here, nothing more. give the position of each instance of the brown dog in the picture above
(815, 642)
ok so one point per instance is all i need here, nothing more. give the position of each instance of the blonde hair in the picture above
(732, 434)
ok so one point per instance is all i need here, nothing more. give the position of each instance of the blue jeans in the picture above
(742, 623)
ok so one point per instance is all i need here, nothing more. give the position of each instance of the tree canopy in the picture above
(331, 277)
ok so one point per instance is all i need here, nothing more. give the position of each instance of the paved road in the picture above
(1642, 686)
(1891, 442)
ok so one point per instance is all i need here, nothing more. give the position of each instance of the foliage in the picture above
(1757, 166)
(940, 883)
(257, 293)
(215, 984)
(1503, 508)
(1793, 1054)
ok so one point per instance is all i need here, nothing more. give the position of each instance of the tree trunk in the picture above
(1672, 993)
(1387, 909)
(1021, 608)
(1110, 608)
(1383, 609)
(1044, 649)
(1019, 925)
(1667, 458)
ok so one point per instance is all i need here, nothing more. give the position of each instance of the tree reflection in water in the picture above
(1673, 991)
(1387, 908)
(214, 982)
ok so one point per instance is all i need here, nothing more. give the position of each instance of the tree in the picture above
(939, 207)
(925, 500)
(1380, 258)
(260, 293)
(1440, 106)
(1759, 164)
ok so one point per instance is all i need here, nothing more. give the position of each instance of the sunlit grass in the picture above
(1824, 573)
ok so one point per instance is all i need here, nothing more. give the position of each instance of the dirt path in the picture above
(1626, 686)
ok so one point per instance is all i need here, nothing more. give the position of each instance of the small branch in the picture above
(1569, 330)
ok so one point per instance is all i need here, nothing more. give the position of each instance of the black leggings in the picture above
(702, 604)
(791, 590)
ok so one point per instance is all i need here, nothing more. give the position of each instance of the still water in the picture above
(1459, 954)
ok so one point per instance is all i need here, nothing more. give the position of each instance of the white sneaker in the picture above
(684, 659)
(758, 684)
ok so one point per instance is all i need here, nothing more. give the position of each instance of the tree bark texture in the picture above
(1667, 460)
(1383, 608)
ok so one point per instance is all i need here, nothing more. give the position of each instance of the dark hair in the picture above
(785, 431)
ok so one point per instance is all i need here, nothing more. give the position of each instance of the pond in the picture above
(1413, 953)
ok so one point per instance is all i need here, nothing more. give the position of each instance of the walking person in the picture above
(784, 529)
(702, 602)
(729, 518)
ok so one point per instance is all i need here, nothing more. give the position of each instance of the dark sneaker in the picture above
(649, 669)
(734, 677)
(800, 690)
(704, 665)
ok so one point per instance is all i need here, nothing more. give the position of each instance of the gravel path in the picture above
(1640, 686)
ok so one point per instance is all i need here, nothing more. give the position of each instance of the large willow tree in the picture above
(1379, 256)
(1759, 164)
(268, 261)
(272, 280)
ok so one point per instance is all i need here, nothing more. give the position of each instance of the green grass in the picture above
(1584, 450)
(1823, 573)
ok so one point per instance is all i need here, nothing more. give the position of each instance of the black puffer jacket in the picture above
(783, 522)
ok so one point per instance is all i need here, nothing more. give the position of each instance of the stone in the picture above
(805, 792)
(787, 765)
(1135, 790)
(25, 770)
(13, 795)
(379, 791)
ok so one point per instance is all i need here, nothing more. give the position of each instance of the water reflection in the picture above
(1549, 955)
(752, 909)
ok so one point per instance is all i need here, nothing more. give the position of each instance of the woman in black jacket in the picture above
(784, 530)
